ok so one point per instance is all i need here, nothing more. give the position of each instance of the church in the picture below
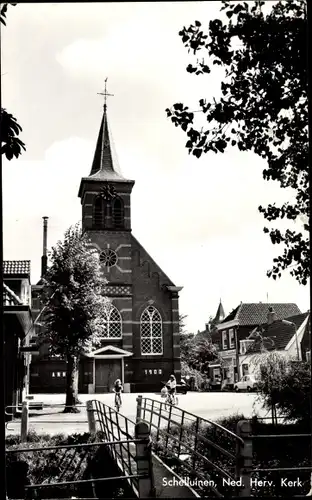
(141, 340)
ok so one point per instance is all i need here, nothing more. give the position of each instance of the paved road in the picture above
(211, 405)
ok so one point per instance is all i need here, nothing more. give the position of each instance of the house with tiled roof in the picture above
(16, 275)
(236, 328)
(289, 338)
(17, 329)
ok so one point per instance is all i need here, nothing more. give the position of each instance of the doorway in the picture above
(106, 372)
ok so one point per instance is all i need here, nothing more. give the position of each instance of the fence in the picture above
(132, 460)
(182, 447)
(127, 442)
(181, 438)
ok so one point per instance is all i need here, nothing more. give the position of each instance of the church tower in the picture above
(141, 338)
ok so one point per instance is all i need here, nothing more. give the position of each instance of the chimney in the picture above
(271, 316)
(207, 327)
(44, 258)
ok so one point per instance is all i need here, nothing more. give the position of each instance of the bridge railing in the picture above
(133, 455)
(179, 436)
(66, 462)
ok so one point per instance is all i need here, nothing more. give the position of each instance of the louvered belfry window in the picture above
(98, 213)
(118, 213)
(151, 331)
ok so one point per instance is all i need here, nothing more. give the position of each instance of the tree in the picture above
(74, 305)
(11, 145)
(202, 354)
(285, 384)
(263, 108)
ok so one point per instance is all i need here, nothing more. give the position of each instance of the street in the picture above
(209, 405)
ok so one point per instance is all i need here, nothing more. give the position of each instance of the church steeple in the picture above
(105, 164)
(105, 193)
(220, 314)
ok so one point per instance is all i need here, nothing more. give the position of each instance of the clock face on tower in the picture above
(108, 258)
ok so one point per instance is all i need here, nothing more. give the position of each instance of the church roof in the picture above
(16, 267)
(105, 165)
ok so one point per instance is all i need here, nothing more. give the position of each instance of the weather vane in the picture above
(105, 93)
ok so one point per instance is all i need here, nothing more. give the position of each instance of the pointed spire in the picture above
(105, 164)
(220, 314)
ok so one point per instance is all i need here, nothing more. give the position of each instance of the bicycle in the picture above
(117, 401)
(171, 399)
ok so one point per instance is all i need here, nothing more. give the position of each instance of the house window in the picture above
(64, 374)
(245, 369)
(231, 338)
(160, 371)
(53, 374)
(112, 324)
(242, 347)
(151, 332)
(245, 345)
(308, 356)
(224, 340)
(118, 213)
(59, 374)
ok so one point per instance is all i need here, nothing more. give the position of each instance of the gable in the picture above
(152, 267)
(109, 350)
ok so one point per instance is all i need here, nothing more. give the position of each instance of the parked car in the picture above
(247, 383)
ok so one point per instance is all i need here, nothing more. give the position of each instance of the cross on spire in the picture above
(105, 93)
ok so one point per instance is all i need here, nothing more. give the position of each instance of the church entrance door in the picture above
(106, 372)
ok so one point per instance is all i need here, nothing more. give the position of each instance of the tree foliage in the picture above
(263, 108)
(74, 303)
(202, 354)
(11, 144)
(286, 385)
(3, 11)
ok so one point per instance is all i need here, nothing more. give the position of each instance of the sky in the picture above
(198, 218)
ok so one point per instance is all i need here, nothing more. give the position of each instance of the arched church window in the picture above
(112, 323)
(118, 213)
(98, 213)
(151, 331)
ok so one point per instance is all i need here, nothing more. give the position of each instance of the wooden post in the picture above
(91, 418)
(144, 460)
(244, 457)
(139, 409)
(24, 421)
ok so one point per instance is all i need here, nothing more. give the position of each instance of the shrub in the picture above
(26, 468)
(286, 385)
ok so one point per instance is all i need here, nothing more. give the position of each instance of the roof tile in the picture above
(16, 267)
(256, 313)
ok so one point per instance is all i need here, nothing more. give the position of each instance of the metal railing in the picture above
(178, 437)
(128, 444)
(182, 440)
(67, 462)
(133, 455)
